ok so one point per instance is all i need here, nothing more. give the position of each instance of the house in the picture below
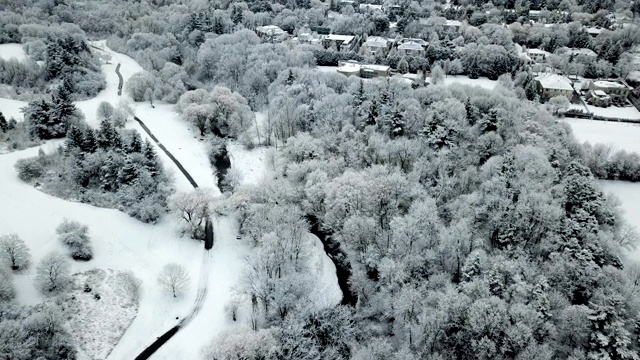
(366, 71)
(271, 33)
(575, 52)
(534, 14)
(342, 43)
(594, 31)
(598, 98)
(412, 47)
(618, 90)
(453, 24)
(376, 45)
(537, 55)
(550, 85)
(366, 8)
(307, 38)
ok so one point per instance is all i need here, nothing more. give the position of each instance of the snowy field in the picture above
(11, 109)
(482, 82)
(627, 112)
(629, 195)
(620, 135)
(12, 51)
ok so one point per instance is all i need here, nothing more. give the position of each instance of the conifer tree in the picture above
(4, 126)
(128, 173)
(89, 142)
(74, 138)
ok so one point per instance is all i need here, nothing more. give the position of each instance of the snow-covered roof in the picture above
(610, 84)
(594, 30)
(370, 7)
(420, 41)
(376, 67)
(344, 38)
(554, 81)
(410, 45)
(270, 29)
(376, 41)
(537, 51)
(454, 23)
(586, 52)
(600, 93)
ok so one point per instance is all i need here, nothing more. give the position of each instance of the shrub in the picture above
(29, 169)
(75, 236)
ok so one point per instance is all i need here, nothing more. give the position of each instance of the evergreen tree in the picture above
(108, 137)
(236, 15)
(290, 78)
(151, 162)
(135, 143)
(373, 113)
(40, 123)
(74, 138)
(89, 142)
(109, 174)
(128, 173)
(4, 126)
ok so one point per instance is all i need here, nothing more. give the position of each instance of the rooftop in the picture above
(410, 45)
(343, 38)
(554, 81)
(610, 84)
(270, 29)
(537, 51)
(586, 52)
(370, 7)
(376, 41)
(452, 23)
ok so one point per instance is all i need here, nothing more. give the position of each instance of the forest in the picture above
(470, 221)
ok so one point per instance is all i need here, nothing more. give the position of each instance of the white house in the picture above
(342, 43)
(412, 48)
(376, 45)
(537, 55)
(550, 85)
(271, 33)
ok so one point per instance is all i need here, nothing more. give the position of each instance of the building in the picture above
(412, 47)
(307, 38)
(575, 52)
(594, 31)
(271, 33)
(537, 55)
(366, 71)
(534, 14)
(598, 98)
(342, 43)
(550, 85)
(376, 45)
(453, 24)
(370, 8)
(618, 90)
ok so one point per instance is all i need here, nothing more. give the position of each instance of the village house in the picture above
(342, 43)
(271, 33)
(370, 8)
(412, 47)
(550, 85)
(576, 52)
(453, 24)
(618, 90)
(598, 98)
(537, 55)
(366, 71)
(376, 45)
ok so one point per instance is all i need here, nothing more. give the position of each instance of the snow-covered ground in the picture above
(119, 242)
(177, 136)
(460, 79)
(12, 51)
(620, 135)
(629, 195)
(627, 112)
(11, 109)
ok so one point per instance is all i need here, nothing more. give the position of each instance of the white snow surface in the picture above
(620, 135)
(250, 163)
(627, 112)
(11, 109)
(461, 79)
(12, 51)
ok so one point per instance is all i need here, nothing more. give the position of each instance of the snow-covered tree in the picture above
(437, 75)
(558, 104)
(193, 208)
(76, 237)
(14, 253)
(7, 290)
(174, 278)
(53, 273)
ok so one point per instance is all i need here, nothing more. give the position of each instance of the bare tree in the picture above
(105, 111)
(174, 278)
(194, 208)
(53, 272)
(14, 252)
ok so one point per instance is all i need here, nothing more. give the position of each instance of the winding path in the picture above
(206, 256)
